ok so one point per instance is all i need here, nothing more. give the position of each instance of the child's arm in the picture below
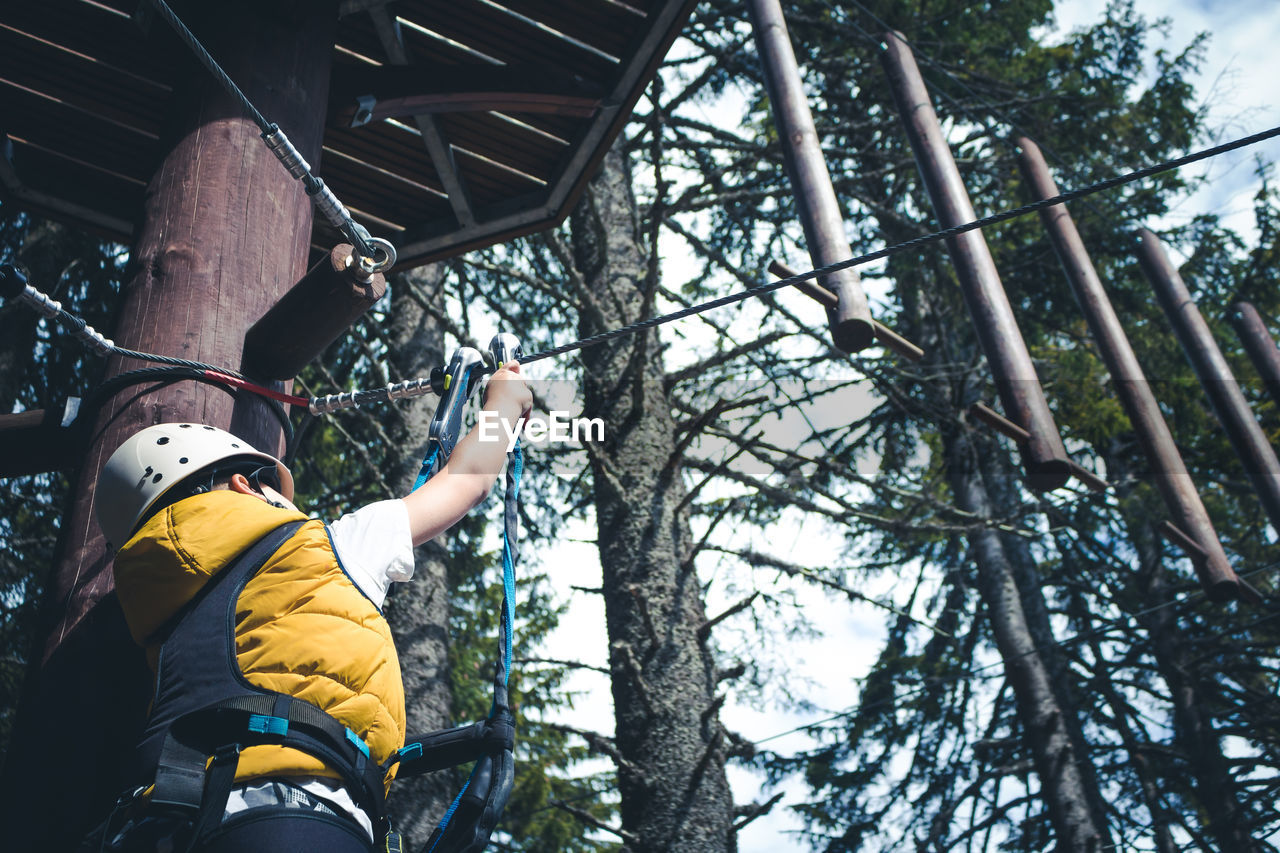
(473, 468)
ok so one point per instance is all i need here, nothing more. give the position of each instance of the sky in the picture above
(1237, 84)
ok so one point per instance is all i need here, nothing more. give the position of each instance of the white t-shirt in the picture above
(374, 547)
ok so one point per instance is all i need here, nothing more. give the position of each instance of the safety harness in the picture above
(205, 713)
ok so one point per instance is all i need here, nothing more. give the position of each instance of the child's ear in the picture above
(240, 483)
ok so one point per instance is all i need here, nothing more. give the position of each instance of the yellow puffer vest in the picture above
(302, 626)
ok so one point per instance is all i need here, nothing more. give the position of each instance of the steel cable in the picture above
(915, 242)
(324, 199)
(93, 339)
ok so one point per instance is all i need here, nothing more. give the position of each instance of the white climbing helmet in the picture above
(154, 460)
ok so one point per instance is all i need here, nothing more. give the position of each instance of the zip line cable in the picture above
(367, 248)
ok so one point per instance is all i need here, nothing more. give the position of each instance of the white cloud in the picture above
(1236, 84)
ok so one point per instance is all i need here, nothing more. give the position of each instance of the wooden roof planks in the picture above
(87, 84)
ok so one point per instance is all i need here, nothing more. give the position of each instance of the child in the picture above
(189, 508)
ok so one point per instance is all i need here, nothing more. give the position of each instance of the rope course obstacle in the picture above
(13, 284)
(355, 271)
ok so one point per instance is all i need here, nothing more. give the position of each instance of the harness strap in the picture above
(471, 819)
(447, 748)
(180, 770)
(266, 719)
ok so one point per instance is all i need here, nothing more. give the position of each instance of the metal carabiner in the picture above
(454, 384)
(504, 348)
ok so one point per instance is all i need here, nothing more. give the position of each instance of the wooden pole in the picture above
(328, 299)
(1260, 346)
(1251, 445)
(850, 322)
(1131, 386)
(1044, 456)
(37, 441)
(224, 232)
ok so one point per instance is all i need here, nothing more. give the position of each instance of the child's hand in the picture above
(507, 394)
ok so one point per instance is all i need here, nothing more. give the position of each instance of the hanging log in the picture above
(320, 307)
(1251, 445)
(1260, 346)
(850, 321)
(1044, 457)
(1131, 386)
(888, 338)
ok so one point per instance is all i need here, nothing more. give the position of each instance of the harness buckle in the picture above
(228, 753)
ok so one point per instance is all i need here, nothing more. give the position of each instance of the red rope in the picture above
(236, 382)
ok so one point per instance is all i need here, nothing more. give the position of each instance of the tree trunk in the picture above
(419, 610)
(675, 796)
(1000, 481)
(224, 233)
(1065, 788)
(1193, 728)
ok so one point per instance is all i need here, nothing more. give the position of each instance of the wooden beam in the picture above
(1044, 456)
(887, 337)
(850, 320)
(438, 148)
(36, 442)
(1168, 471)
(1090, 479)
(320, 307)
(1179, 537)
(999, 423)
(361, 95)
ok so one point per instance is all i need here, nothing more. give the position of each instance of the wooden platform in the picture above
(453, 124)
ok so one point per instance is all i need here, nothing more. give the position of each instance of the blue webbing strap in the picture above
(495, 799)
(448, 816)
(510, 554)
(428, 468)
